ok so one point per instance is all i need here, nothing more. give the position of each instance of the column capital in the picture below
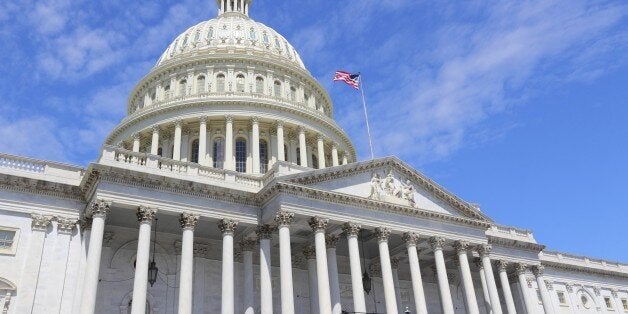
(478, 263)
(318, 223)
(382, 234)
(146, 214)
(334, 146)
(228, 118)
(595, 289)
(254, 120)
(178, 123)
(351, 229)
(301, 130)
(484, 249)
(247, 245)
(279, 124)
(188, 221)
(85, 223)
(284, 218)
(550, 286)
(614, 292)
(309, 252)
(331, 241)
(521, 268)
(99, 208)
(203, 120)
(136, 136)
(40, 222)
(461, 246)
(156, 129)
(411, 238)
(264, 231)
(537, 270)
(227, 226)
(320, 137)
(437, 243)
(394, 262)
(502, 265)
(569, 287)
(66, 225)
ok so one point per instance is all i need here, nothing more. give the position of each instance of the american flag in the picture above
(350, 79)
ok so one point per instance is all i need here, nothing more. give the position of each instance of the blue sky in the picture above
(519, 106)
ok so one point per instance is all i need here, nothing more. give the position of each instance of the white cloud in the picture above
(34, 137)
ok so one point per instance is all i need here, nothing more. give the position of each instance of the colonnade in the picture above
(322, 268)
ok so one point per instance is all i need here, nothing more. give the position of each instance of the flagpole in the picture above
(366, 116)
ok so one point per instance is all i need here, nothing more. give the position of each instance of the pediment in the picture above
(388, 180)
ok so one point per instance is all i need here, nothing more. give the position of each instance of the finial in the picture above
(234, 6)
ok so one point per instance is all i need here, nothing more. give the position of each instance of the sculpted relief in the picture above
(388, 190)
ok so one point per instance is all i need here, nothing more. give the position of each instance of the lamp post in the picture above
(152, 269)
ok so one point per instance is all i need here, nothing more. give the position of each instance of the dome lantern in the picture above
(233, 6)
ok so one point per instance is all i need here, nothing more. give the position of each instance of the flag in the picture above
(350, 79)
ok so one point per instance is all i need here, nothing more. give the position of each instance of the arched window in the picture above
(240, 83)
(285, 153)
(200, 84)
(219, 153)
(277, 89)
(265, 37)
(252, 34)
(210, 33)
(293, 93)
(183, 85)
(263, 156)
(314, 162)
(220, 83)
(240, 155)
(259, 85)
(299, 156)
(194, 154)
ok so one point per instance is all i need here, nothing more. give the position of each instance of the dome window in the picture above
(174, 47)
(240, 155)
(259, 85)
(197, 36)
(252, 34)
(210, 34)
(185, 41)
(293, 93)
(183, 85)
(263, 156)
(220, 83)
(265, 37)
(240, 83)
(277, 89)
(219, 153)
(277, 44)
(200, 84)
(194, 153)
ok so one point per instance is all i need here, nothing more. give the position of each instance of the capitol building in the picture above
(230, 188)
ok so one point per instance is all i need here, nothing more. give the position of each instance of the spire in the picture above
(234, 6)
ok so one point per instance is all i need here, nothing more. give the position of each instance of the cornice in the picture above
(529, 246)
(583, 269)
(40, 187)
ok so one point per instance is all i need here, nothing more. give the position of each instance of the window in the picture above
(219, 153)
(8, 240)
(185, 41)
(252, 34)
(277, 89)
(240, 155)
(220, 83)
(285, 152)
(167, 91)
(585, 301)
(194, 155)
(624, 303)
(200, 84)
(293, 93)
(160, 151)
(197, 36)
(265, 37)
(210, 33)
(609, 305)
(314, 162)
(183, 85)
(299, 156)
(561, 297)
(277, 44)
(263, 156)
(240, 83)
(259, 85)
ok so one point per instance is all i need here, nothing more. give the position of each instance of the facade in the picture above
(229, 188)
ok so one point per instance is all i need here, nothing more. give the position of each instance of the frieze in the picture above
(40, 187)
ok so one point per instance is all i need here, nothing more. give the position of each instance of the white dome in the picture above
(231, 32)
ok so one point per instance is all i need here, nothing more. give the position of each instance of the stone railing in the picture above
(40, 169)
(582, 261)
(511, 232)
(143, 162)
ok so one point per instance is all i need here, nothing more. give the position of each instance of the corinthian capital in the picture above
(284, 218)
(66, 225)
(411, 238)
(99, 208)
(437, 243)
(227, 226)
(484, 249)
(146, 214)
(502, 265)
(537, 270)
(264, 231)
(40, 222)
(351, 229)
(478, 263)
(188, 221)
(331, 241)
(394, 262)
(318, 223)
(382, 234)
(521, 268)
(309, 252)
(461, 246)
(247, 245)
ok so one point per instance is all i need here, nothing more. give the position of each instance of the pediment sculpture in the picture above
(387, 190)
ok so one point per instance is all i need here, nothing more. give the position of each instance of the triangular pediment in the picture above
(388, 180)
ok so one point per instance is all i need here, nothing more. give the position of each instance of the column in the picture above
(154, 145)
(411, 240)
(202, 142)
(537, 270)
(188, 223)
(283, 220)
(394, 263)
(302, 147)
(523, 285)
(62, 255)
(227, 228)
(176, 153)
(85, 226)
(255, 144)
(334, 155)
(352, 231)
(384, 256)
(467, 281)
(345, 159)
(264, 233)
(484, 251)
(280, 142)
(321, 152)
(98, 212)
(30, 272)
(310, 255)
(502, 267)
(247, 259)
(572, 298)
(228, 164)
(441, 272)
(145, 217)
(136, 142)
(293, 151)
(487, 298)
(332, 264)
(319, 225)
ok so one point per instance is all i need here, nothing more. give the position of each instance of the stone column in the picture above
(334, 155)
(247, 259)
(188, 223)
(264, 233)
(61, 273)
(484, 251)
(319, 225)
(310, 255)
(176, 152)
(332, 265)
(502, 267)
(30, 272)
(227, 228)
(572, 298)
(145, 217)
(387, 278)
(537, 270)
(98, 212)
(202, 141)
(302, 147)
(321, 151)
(487, 298)
(441, 271)
(394, 263)
(352, 230)
(154, 145)
(136, 142)
(467, 281)
(528, 301)
(411, 240)
(284, 219)
(255, 144)
(229, 162)
(280, 142)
